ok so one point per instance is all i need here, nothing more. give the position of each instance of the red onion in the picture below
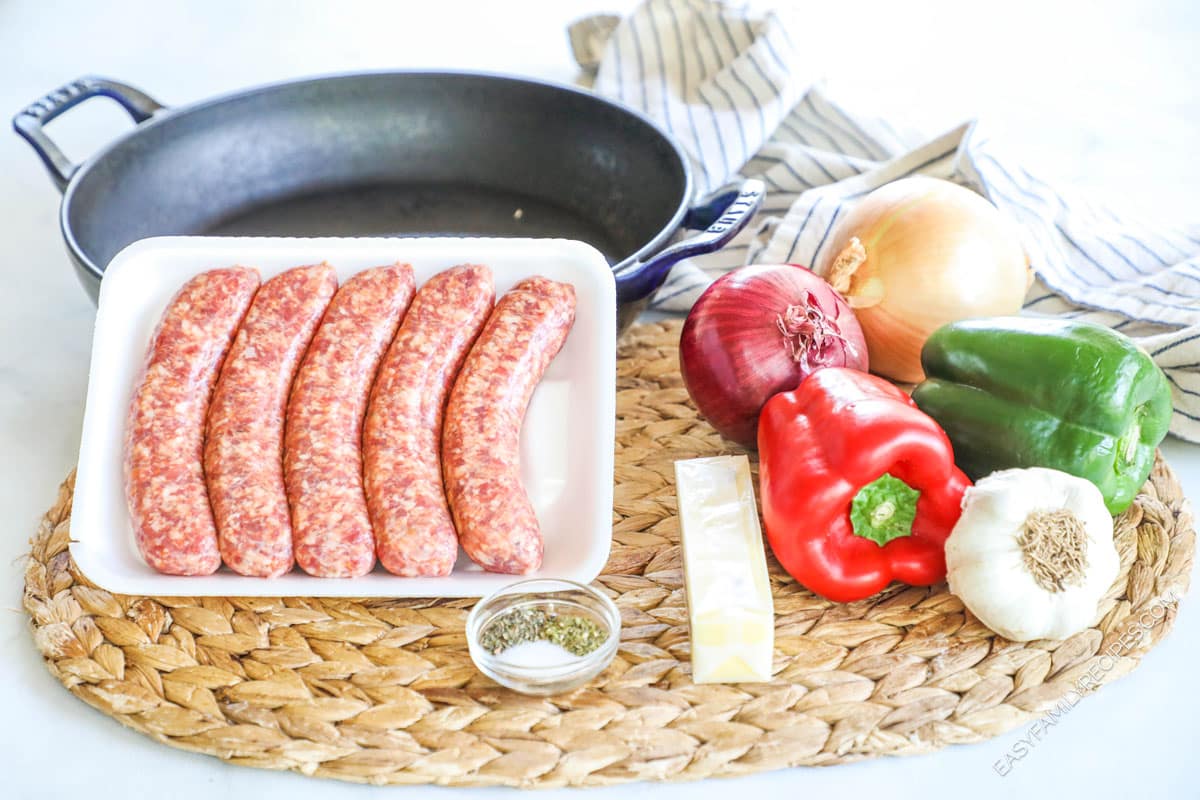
(758, 331)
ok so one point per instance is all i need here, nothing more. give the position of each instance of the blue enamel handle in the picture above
(30, 122)
(721, 215)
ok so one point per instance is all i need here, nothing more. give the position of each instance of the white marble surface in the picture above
(1101, 94)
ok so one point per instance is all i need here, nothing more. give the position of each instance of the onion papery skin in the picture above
(734, 356)
(935, 253)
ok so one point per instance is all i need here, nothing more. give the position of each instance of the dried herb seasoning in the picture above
(576, 634)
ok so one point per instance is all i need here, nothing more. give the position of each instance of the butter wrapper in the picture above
(730, 609)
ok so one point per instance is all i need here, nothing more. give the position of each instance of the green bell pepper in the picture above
(1030, 392)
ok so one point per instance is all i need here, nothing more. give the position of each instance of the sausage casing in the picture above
(496, 523)
(243, 451)
(331, 529)
(414, 533)
(164, 438)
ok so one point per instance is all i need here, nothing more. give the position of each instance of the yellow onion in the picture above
(918, 253)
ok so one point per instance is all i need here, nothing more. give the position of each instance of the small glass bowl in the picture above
(554, 597)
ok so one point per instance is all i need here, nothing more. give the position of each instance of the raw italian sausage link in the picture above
(481, 460)
(164, 439)
(243, 452)
(322, 462)
(414, 534)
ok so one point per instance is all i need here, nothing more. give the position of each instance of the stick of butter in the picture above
(730, 610)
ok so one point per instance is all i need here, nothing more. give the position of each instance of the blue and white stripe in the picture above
(730, 84)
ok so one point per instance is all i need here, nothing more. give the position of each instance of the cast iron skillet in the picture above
(387, 154)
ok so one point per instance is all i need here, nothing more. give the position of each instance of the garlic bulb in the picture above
(1032, 553)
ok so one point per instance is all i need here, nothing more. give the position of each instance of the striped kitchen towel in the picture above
(732, 87)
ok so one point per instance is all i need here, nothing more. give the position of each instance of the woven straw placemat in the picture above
(384, 691)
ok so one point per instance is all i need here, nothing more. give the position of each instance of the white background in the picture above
(1103, 95)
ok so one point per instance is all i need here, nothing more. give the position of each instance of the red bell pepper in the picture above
(859, 486)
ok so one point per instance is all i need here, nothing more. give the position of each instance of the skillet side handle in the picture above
(30, 122)
(723, 217)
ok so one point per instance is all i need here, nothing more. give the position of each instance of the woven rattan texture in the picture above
(384, 691)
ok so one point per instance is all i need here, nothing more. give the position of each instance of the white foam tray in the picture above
(566, 441)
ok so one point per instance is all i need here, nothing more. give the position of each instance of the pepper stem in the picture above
(884, 509)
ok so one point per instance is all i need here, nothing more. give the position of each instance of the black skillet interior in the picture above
(386, 154)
